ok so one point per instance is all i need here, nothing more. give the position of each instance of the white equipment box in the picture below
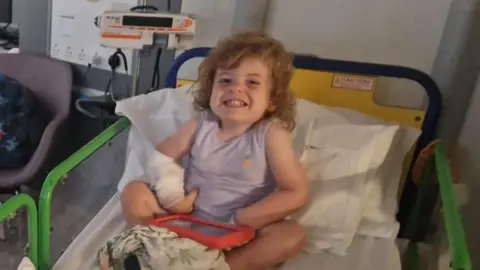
(75, 38)
(135, 30)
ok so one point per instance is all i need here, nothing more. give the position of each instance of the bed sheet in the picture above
(364, 253)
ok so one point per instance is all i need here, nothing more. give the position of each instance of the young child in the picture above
(242, 161)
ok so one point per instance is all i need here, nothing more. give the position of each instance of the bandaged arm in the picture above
(167, 176)
(292, 183)
(169, 184)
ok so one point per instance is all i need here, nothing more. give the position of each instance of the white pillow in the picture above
(379, 217)
(382, 186)
(338, 160)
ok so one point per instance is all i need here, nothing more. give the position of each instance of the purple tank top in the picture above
(228, 174)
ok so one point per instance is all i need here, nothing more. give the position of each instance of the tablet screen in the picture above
(201, 228)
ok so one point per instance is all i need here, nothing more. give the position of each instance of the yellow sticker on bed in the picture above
(348, 91)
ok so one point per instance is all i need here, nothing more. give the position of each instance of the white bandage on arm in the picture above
(167, 179)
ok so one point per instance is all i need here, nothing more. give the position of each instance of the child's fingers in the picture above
(192, 195)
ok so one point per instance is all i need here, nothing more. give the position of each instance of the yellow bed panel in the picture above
(350, 91)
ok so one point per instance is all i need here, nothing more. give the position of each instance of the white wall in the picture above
(400, 32)
(466, 160)
(216, 19)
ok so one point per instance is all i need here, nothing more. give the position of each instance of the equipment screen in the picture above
(203, 229)
(147, 21)
(5, 12)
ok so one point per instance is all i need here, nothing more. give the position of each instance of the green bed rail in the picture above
(59, 173)
(460, 257)
(455, 233)
(8, 209)
(451, 214)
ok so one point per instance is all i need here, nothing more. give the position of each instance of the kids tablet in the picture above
(213, 235)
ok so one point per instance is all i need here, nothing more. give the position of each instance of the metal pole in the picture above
(136, 63)
(135, 72)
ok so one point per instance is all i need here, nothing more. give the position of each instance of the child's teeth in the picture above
(236, 103)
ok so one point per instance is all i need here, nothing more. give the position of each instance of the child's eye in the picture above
(224, 80)
(253, 83)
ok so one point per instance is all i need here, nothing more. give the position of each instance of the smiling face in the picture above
(242, 95)
(245, 78)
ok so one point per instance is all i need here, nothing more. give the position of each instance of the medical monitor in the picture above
(6, 11)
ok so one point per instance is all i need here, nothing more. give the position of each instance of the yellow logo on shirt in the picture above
(246, 163)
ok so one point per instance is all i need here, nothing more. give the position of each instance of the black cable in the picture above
(10, 39)
(143, 8)
(114, 63)
(104, 123)
(4, 32)
(112, 85)
(124, 58)
(86, 74)
(82, 110)
(108, 86)
(5, 27)
(156, 71)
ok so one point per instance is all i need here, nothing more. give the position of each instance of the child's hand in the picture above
(241, 217)
(184, 206)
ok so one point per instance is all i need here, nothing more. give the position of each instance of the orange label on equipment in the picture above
(187, 23)
(123, 36)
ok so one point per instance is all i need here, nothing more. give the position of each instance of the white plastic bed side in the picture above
(26, 264)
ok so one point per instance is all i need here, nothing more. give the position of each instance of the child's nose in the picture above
(236, 87)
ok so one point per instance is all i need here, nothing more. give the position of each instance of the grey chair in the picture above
(51, 82)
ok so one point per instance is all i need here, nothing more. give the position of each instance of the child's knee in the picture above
(135, 192)
(290, 234)
(294, 236)
(139, 203)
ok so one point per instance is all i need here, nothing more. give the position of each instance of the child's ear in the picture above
(271, 108)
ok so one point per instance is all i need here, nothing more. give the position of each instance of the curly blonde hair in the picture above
(230, 52)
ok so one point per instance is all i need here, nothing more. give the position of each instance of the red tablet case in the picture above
(236, 236)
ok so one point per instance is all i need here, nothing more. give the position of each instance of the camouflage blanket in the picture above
(158, 249)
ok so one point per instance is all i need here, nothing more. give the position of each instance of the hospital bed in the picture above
(321, 81)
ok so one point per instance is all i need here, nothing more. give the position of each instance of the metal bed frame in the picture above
(8, 210)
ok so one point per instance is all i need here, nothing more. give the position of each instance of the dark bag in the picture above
(21, 124)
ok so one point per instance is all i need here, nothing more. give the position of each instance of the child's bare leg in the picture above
(139, 204)
(273, 245)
